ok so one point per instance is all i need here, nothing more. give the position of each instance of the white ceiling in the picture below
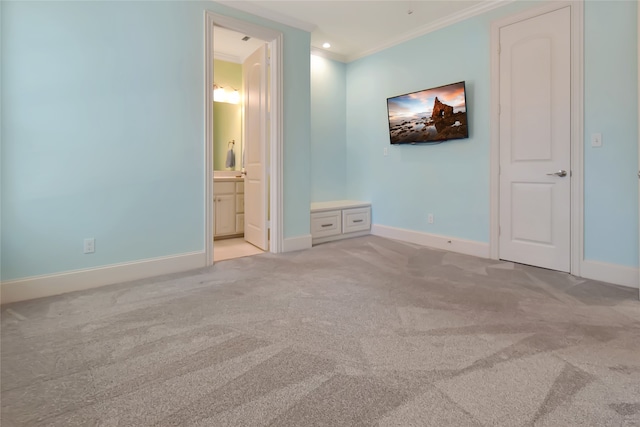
(229, 46)
(356, 28)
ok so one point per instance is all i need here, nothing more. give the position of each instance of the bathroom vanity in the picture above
(228, 200)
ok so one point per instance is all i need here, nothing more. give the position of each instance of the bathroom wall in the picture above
(227, 118)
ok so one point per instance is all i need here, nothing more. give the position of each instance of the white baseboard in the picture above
(298, 243)
(611, 273)
(76, 280)
(453, 244)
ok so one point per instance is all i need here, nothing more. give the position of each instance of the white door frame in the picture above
(577, 140)
(275, 163)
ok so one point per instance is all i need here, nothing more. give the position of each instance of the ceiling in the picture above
(357, 28)
(229, 46)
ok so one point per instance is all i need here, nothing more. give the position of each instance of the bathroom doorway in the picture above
(272, 147)
(241, 152)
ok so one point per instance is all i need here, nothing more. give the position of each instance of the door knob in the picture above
(561, 173)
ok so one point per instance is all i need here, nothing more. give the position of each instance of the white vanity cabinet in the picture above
(229, 207)
(339, 219)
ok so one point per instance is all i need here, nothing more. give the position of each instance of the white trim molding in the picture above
(297, 243)
(276, 190)
(226, 57)
(327, 54)
(276, 169)
(478, 9)
(78, 280)
(254, 9)
(453, 244)
(577, 126)
(610, 273)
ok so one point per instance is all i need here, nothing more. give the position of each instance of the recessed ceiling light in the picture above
(326, 45)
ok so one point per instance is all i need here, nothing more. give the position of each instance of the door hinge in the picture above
(499, 231)
(499, 109)
(499, 48)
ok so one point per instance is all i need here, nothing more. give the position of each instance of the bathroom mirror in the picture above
(227, 115)
(227, 136)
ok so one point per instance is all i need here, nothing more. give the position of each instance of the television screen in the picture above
(428, 116)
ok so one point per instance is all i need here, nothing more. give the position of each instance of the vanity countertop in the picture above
(228, 178)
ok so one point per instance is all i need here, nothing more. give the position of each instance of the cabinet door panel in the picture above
(239, 203)
(225, 214)
(239, 223)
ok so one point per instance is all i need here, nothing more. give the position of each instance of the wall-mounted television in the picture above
(428, 116)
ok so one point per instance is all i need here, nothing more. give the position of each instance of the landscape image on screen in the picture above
(431, 115)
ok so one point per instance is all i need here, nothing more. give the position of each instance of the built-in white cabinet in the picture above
(339, 220)
(229, 208)
(225, 214)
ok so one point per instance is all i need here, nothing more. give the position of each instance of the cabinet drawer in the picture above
(325, 224)
(358, 219)
(240, 187)
(239, 203)
(224, 188)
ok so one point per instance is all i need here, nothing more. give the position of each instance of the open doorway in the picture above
(244, 166)
(240, 99)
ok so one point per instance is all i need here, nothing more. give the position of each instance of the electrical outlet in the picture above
(89, 245)
(596, 140)
(430, 219)
(386, 151)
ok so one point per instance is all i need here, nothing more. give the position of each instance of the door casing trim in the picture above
(577, 128)
(275, 165)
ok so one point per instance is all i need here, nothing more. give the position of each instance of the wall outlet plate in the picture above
(89, 245)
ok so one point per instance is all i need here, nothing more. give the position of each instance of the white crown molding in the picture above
(268, 14)
(327, 54)
(228, 58)
(434, 26)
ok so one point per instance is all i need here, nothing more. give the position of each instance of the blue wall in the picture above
(328, 129)
(102, 133)
(611, 102)
(451, 180)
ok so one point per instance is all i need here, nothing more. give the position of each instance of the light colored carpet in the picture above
(361, 332)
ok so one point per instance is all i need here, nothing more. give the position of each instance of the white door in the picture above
(256, 91)
(535, 141)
